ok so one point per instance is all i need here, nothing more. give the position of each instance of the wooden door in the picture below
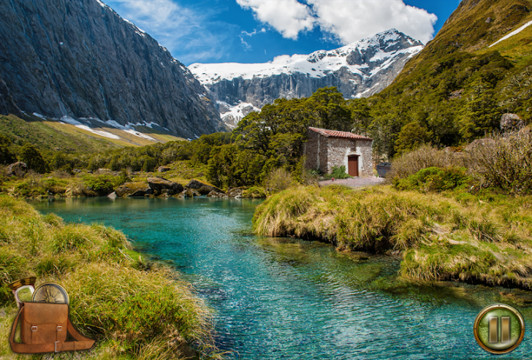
(352, 164)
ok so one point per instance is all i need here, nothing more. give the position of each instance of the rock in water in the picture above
(162, 186)
(133, 189)
(82, 60)
(203, 188)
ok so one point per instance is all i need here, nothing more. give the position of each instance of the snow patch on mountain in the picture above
(232, 114)
(359, 69)
(515, 32)
(318, 64)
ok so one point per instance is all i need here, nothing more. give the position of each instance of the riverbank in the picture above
(455, 236)
(178, 179)
(132, 307)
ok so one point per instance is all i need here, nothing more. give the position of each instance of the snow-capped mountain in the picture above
(359, 69)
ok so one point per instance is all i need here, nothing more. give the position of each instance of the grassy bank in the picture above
(450, 236)
(61, 184)
(131, 307)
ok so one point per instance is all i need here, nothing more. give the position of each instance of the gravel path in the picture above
(354, 182)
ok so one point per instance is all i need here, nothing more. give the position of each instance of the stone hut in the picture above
(328, 148)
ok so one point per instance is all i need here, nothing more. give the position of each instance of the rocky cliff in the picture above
(80, 59)
(359, 69)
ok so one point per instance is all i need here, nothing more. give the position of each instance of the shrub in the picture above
(33, 158)
(433, 179)
(104, 184)
(503, 162)
(278, 180)
(254, 192)
(424, 157)
(337, 172)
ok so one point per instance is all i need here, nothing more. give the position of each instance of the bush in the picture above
(33, 158)
(104, 184)
(498, 162)
(433, 179)
(278, 180)
(424, 157)
(337, 172)
(254, 192)
(503, 162)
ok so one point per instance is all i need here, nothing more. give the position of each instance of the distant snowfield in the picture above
(317, 64)
(99, 132)
(515, 32)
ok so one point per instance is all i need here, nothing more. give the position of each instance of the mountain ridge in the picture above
(458, 88)
(358, 69)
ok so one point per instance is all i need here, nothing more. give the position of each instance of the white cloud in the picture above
(345, 20)
(351, 20)
(289, 17)
(180, 29)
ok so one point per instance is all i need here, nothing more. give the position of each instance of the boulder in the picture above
(511, 122)
(162, 186)
(201, 187)
(190, 193)
(216, 194)
(18, 169)
(163, 169)
(133, 189)
(235, 192)
(105, 171)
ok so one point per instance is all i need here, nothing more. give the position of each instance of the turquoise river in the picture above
(294, 299)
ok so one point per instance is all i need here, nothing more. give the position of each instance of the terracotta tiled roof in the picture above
(339, 134)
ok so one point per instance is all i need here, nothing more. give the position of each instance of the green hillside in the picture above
(458, 87)
(52, 136)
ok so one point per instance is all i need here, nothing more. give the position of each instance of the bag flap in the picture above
(45, 313)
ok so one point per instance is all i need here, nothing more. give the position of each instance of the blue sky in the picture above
(247, 31)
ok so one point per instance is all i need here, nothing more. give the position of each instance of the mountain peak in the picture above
(361, 68)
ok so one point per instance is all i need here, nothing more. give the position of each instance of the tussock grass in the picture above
(132, 312)
(502, 162)
(440, 237)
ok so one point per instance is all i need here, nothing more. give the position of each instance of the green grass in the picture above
(440, 236)
(131, 307)
(53, 135)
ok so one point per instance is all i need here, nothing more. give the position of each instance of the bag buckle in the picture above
(59, 328)
(34, 328)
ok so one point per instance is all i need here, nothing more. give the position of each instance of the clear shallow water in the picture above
(292, 299)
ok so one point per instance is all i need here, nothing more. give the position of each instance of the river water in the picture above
(294, 299)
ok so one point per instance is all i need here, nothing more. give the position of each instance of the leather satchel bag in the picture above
(45, 327)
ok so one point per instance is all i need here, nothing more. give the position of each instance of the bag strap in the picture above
(81, 342)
